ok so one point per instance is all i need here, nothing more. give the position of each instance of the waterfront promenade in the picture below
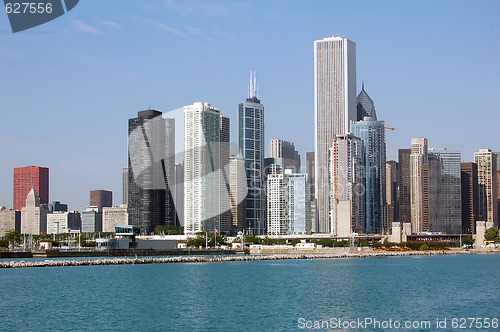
(231, 258)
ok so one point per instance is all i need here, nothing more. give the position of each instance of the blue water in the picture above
(249, 296)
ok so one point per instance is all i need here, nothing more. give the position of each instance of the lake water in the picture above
(251, 296)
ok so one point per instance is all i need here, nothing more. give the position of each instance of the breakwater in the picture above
(205, 259)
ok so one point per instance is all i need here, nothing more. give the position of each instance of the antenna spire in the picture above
(253, 85)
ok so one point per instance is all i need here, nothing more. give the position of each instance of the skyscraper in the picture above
(238, 190)
(299, 203)
(334, 109)
(178, 193)
(277, 204)
(202, 168)
(33, 215)
(125, 185)
(27, 177)
(487, 181)
(151, 168)
(442, 208)
(404, 184)
(470, 203)
(286, 150)
(310, 159)
(372, 134)
(251, 142)
(391, 192)
(225, 200)
(101, 198)
(347, 194)
(418, 157)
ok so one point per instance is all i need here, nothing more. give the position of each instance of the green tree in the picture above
(4, 243)
(425, 246)
(13, 237)
(491, 234)
(168, 230)
(468, 240)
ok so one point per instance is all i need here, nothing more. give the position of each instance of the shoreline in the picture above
(210, 259)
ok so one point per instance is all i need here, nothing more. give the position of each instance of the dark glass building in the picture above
(251, 142)
(151, 168)
(442, 192)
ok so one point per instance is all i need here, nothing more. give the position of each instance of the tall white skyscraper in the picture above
(418, 157)
(334, 109)
(202, 174)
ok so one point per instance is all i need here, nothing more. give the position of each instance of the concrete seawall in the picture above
(204, 259)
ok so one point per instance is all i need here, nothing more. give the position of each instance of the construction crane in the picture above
(391, 128)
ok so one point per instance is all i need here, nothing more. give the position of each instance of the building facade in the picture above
(277, 204)
(27, 177)
(112, 216)
(238, 190)
(372, 134)
(391, 193)
(251, 143)
(347, 194)
(286, 150)
(202, 168)
(225, 200)
(470, 202)
(62, 222)
(334, 109)
(418, 157)
(299, 203)
(101, 198)
(487, 185)
(151, 169)
(441, 178)
(10, 220)
(91, 220)
(124, 185)
(33, 215)
(404, 186)
(178, 193)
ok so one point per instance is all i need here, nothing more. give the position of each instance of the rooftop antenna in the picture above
(253, 85)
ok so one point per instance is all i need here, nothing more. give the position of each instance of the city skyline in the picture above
(396, 70)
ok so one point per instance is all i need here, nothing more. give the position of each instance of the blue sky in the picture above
(68, 87)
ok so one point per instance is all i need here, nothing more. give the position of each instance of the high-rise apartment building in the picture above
(112, 216)
(391, 192)
(202, 168)
(33, 215)
(441, 184)
(299, 203)
(372, 134)
(91, 220)
(404, 185)
(151, 169)
(310, 159)
(238, 190)
(286, 150)
(470, 203)
(63, 222)
(334, 109)
(27, 177)
(347, 194)
(101, 198)
(418, 157)
(124, 185)
(251, 142)
(487, 181)
(178, 193)
(277, 204)
(10, 220)
(225, 200)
